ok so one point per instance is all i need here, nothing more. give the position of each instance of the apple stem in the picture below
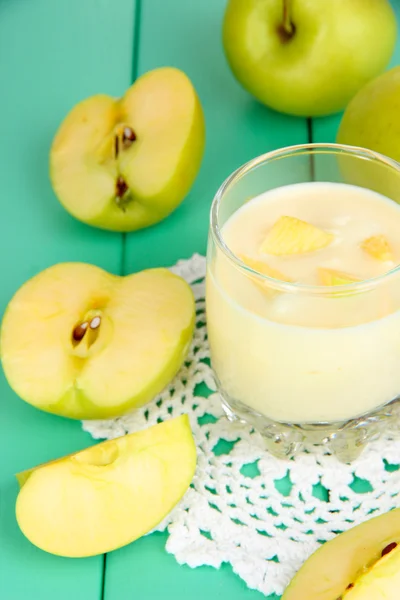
(287, 25)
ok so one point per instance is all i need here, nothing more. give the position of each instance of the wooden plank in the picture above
(53, 55)
(188, 35)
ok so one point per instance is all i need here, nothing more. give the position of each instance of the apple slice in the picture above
(378, 247)
(261, 267)
(293, 236)
(108, 495)
(79, 342)
(332, 277)
(123, 164)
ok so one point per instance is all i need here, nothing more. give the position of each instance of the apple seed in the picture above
(389, 548)
(121, 187)
(128, 136)
(79, 331)
(95, 322)
(116, 146)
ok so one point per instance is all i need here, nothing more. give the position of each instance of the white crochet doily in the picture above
(262, 515)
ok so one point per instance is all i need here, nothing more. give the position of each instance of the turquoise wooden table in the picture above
(53, 54)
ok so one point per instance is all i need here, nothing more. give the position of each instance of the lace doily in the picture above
(245, 507)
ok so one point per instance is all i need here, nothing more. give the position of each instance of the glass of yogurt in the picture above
(303, 297)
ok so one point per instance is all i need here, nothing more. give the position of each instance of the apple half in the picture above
(108, 495)
(124, 164)
(360, 564)
(82, 343)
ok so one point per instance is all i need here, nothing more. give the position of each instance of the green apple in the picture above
(79, 342)
(372, 118)
(372, 121)
(108, 495)
(307, 57)
(124, 164)
(362, 563)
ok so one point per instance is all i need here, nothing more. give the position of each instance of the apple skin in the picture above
(335, 49)
(108, 495)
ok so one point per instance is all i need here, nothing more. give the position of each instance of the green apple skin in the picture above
(336, 47)
(372, 118)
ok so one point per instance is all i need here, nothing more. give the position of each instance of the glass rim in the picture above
(295, 287)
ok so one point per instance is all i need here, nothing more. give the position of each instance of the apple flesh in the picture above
(307, 57)
(108, 495)
(124, 164)
(82, 343)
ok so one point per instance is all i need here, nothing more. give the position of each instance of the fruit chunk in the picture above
(108, 495)
(381, 581)
(123, 164)
(263, 268)
(338, 563)
(79, 342)
(333, 277)
(293, 236)
(378, 247)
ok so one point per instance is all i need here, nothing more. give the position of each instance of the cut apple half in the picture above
(123, 164)
(293, 236)
(108, 495)
(82, 343)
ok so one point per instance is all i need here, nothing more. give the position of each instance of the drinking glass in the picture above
(298, 379)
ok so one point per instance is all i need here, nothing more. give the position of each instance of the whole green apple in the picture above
(372, 120)
(307, 57)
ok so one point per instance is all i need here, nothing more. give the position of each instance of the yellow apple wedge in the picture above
(332, 277)
(82, 343)
(293, 236)
(378, 247)
(261, 267)
(108, 495)
(124, 164)
(332, 572)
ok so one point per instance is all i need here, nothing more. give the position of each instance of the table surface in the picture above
(54, 54)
